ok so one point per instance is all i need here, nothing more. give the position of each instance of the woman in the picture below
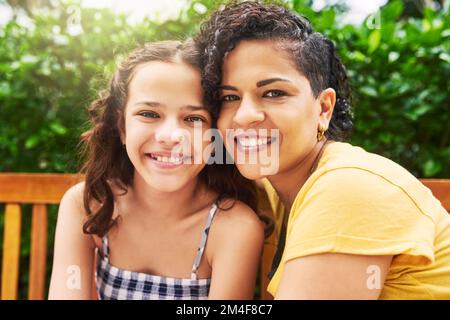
(352, 224)
(161, 223)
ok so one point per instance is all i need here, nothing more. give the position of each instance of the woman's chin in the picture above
(251, 171)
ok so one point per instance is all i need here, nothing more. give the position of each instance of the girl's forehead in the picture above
(165, 71)
(166, 83)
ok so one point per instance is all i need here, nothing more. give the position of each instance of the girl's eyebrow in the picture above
(148, 103)
(160, 105)
(261, 83)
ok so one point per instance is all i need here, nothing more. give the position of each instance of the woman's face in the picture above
(263, 89)
(163, 111)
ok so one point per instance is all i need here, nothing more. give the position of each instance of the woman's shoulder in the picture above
(353, 160)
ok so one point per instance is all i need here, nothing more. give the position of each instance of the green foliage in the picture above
(50, 71)
(399, 70)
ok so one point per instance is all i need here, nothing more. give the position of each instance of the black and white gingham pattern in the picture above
(117, 284)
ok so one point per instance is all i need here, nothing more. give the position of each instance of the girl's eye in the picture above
(148, 114)
(194, 119)
(229, 98)
(274, 94)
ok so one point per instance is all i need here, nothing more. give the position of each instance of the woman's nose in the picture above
(248, 113)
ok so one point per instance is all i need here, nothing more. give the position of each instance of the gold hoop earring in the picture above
(320, 133)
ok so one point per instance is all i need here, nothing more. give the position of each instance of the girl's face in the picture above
(263, 89)
(163, 111)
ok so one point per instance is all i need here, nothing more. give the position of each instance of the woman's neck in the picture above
(287, 184)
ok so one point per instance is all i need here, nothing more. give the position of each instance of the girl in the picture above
(164, 225)
(351, 224)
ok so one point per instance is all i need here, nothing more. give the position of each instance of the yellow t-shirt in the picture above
(358, 202)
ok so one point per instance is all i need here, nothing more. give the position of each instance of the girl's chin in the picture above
(166, 186)
(163, 181)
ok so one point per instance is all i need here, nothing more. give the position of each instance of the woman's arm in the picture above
(238, 237)
(73, 258)
(334, 276)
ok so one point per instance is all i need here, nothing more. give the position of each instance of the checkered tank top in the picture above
(117, 284)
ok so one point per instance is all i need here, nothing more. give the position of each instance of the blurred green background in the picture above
(56, 55)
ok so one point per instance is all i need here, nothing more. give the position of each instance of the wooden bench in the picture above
(41, 190)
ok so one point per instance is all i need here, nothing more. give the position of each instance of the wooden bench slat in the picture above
(38, 253)
(35, 188)
(11, 252)
(440, 189)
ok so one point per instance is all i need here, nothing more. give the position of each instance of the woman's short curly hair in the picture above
(314, 54)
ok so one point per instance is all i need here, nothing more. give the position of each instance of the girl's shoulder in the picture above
(72, 203)
(235, 219)
(232, 211)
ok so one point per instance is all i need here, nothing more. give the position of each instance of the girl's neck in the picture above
(164, 205)
(287, 184)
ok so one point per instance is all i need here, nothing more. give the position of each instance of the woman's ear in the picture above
(327, 100)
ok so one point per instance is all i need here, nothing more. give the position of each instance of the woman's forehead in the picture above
(256, 59)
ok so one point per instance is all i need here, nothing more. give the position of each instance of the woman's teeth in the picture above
(253, 142)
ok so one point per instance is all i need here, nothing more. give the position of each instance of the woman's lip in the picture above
(253, 148)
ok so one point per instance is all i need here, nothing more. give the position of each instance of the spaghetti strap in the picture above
(201, 248)
(105, 247)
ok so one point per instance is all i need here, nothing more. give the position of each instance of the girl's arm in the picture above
(238, 237)
(73, 259)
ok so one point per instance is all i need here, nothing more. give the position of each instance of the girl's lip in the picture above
(174, 163)
(163, 165)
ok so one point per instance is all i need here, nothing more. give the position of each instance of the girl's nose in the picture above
(169, 134)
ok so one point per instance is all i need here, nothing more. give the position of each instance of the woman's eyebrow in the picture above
(269, 81)
(258, 84)
(195, 108)
(226, 87)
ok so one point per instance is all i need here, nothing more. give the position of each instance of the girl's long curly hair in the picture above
(106, 159)
(313, 54)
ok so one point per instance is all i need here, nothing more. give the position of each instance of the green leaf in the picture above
(58, 128)
(431, 168)
(31, 142)
(369, 91)
(374, 40)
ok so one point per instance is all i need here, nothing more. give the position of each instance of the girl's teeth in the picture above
(174, 160)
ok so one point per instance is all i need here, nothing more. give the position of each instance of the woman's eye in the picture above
(148, 114)
(230, 97)
(194, 119)
(274, 94)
